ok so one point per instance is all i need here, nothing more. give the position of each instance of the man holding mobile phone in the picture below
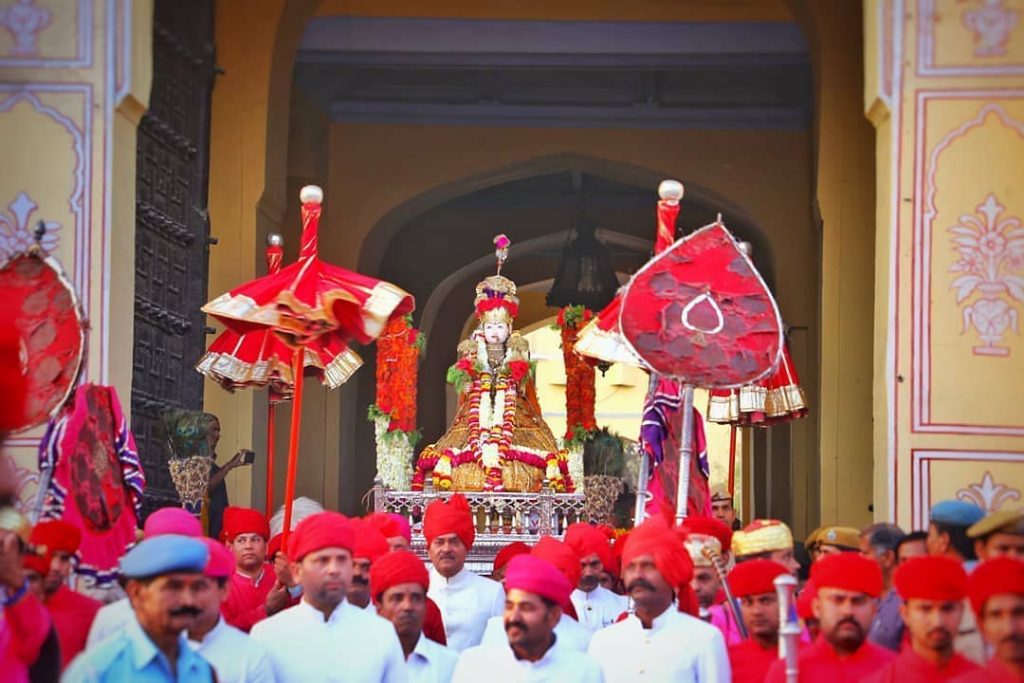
(216, 487)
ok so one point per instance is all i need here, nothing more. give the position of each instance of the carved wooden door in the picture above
(171, 232)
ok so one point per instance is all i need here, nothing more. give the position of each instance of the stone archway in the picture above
(445, 300)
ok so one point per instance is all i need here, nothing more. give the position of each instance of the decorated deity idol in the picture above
(498, 440)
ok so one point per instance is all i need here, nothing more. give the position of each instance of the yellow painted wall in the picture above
(72, 91)
(947, 100)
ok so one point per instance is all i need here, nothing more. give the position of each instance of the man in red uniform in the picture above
(72, 613)
(848, 589)
(996, 589)
(933, 591)
(255, 590)
(752, 583)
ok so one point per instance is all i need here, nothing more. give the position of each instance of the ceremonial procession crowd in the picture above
(347, 600)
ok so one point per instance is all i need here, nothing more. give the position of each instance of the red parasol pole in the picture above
(293, 442)
(274, 256)
(732, 460)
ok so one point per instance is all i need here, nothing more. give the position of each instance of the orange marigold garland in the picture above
(579, 377)
(394, 413)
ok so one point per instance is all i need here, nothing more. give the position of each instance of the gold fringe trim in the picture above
(232, 373)
(606, 346)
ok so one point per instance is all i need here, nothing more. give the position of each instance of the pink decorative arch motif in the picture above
(987, 494)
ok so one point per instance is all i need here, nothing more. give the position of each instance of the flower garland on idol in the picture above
(491, 389)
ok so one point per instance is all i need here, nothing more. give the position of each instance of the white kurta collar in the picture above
(312, 613)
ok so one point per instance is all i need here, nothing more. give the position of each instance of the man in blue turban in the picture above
(165, 576)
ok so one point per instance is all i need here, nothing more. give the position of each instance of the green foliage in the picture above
(580, 436)
(458, 378)
(573, 315)
(604, 453)
(412, 437)
(187, 432)
(373, 413)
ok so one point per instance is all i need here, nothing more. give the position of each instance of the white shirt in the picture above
(352, 645)
(110, 619)
(598, 608)
(498, 664)
(676, 649)
(234, 656)
(466, 602)
(431, 662)
(570, 633)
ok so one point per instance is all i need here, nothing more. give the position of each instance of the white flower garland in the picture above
(575, 461)
(394, 456)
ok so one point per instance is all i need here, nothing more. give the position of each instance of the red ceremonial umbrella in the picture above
(699, 312)
(687, 315)
(260, 358)
(305, 301)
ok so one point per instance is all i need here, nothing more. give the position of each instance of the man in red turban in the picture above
(531, 650)
(848, 588)
(504, 556)
(395, 528)
(753, 584)
(996, 590)
(370, 546)
(933, 590)
(467, 600)
(324, 634)
(255, 591)
(596, 606)
(398, 583)
(72, 613)
(647, 644)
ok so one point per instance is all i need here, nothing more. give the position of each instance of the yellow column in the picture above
(74, 83)
(945, 91)
(844, 204)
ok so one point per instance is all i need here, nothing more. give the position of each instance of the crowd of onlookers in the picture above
(345, 599)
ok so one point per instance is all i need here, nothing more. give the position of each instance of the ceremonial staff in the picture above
(718, 562)
(789, 625)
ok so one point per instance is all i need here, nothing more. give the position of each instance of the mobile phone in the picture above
(248, 457)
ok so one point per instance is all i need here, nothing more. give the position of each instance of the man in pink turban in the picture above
(537, 594)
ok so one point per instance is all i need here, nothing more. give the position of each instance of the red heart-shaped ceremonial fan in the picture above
(700, 312)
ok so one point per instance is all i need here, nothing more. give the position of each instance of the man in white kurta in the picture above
(596, 606)
(233, 655)
(532, 651)
(398, 587)
(570, 633)
(466, 600)
(324, 637)
(658, 642)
